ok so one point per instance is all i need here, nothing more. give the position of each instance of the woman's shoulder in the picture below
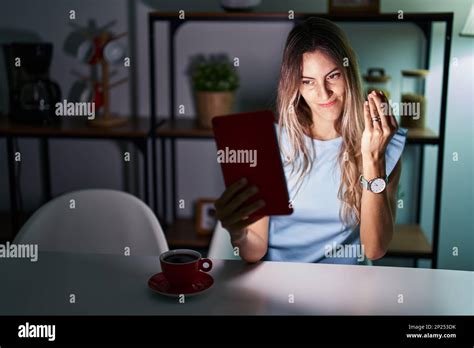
(278, 127)
(282, 131)
(283, 141)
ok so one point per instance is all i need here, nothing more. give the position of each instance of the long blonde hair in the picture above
(295, 116)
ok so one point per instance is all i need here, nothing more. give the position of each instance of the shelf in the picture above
(182, 234)
(183, 129)
(188, 128)
(422, 136)
(409, 241)
(74, 128)
(281, 16)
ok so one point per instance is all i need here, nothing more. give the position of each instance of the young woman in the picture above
(341, 158)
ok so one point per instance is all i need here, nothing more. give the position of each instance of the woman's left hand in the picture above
(380, 126)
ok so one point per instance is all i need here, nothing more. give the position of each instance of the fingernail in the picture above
(254, 189)
(243, 181)
(262, 203)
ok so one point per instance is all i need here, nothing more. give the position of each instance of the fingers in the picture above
(231, 208)
(237, 201)
(243, 213)
(230, 192)
(373, 112)
(382, 112)
(393, 121)
(367, 118)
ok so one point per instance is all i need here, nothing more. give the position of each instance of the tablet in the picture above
(247, 146)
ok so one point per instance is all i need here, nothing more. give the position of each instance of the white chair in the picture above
(95, 221)
(220, 246)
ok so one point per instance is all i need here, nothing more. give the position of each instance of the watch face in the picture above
(377, 185)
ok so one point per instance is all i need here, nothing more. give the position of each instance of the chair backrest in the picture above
(95, 221)
(221, 247)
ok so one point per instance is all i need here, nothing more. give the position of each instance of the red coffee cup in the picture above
(181, 267)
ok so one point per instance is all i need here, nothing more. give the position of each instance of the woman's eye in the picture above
(334, 76)
(308, 82)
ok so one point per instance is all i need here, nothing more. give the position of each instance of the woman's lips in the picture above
(327, 105)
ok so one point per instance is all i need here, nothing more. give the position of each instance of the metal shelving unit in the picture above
(409, 240)
(135, 131)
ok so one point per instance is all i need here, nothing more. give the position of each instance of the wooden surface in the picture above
(75, 127)
(224, 15)
(187, 128)
(409, 240)
(422, 135)
(136, 129)
(182, 234)
(434, 16)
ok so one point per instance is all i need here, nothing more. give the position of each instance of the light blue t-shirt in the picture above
(314, 232)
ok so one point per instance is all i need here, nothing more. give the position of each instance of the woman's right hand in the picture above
(232, 211)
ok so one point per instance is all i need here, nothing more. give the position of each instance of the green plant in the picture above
(214, 74)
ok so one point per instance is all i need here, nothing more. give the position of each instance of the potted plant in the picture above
(214, 81)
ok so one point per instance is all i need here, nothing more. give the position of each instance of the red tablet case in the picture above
(254, 131)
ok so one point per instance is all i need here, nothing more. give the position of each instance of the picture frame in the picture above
(205, 216)
(354, 7)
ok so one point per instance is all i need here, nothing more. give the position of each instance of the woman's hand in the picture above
(232, 211)
(380, 126)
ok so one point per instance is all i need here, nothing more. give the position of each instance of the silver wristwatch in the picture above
(376, 185)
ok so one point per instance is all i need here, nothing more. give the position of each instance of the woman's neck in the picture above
(323, 130)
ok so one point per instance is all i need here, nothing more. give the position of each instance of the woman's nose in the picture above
(323, 93)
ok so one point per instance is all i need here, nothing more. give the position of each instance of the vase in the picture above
(211, 104)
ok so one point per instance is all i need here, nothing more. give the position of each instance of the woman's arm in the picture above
(378, 210)
(253, 243)
(247, 234)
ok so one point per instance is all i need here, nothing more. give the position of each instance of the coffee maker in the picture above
(32, 94)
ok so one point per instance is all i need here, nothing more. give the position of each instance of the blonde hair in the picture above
(295, 116)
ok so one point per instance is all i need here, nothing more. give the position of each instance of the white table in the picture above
(117, 285)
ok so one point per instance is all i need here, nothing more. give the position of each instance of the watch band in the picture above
(364, 182)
